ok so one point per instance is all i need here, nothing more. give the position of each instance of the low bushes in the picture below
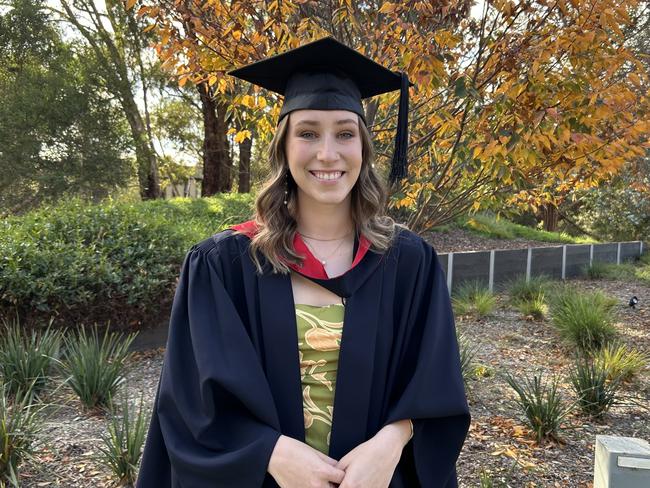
(82, 263)
(26, 357)
(473, 298)
(123, 442)
(595, 390)
(541, 403)
(20, 423)
(95, 369)
(583, 319)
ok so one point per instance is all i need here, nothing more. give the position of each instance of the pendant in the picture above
(324, 262)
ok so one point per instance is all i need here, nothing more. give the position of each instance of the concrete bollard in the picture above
(621, 462)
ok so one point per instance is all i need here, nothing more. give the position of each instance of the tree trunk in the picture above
(216, 160)
(549, 216)
(148, 177)
(224, 161)
(245, 149)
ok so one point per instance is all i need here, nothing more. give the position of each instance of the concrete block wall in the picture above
(496, 268)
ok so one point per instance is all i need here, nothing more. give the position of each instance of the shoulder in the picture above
(227, 242)
(411, 245)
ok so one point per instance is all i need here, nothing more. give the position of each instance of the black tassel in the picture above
(399, 164)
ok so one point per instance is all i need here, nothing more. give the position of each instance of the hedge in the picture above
(80, 263)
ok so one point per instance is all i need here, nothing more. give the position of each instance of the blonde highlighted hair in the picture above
(277, 222)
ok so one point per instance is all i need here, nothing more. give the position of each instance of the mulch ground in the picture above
(498, 442)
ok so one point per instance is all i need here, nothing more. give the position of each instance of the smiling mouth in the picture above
(328, 175)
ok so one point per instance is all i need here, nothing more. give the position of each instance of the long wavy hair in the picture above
(277, 222)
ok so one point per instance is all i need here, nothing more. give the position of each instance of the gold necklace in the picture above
(325, 240)
(324, 261)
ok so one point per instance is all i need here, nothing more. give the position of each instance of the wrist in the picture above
(276, 456)
(400, 431)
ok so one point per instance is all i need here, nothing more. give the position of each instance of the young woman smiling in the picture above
(314, 345)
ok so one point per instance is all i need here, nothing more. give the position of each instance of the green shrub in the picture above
(541, 404)
(95, 368)
(123, 441)
(19, 425)
(584, 319)
(521, 290)
(467, 351)
(611, 271)
(619, 361)
(473, 298)
(89, 264)
(534, 307)
(596, 392)
(596, 271)
(26, 358)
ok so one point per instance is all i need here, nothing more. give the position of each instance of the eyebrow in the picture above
(316, 123)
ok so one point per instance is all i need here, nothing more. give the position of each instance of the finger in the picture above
(326, 458)
(335, 475)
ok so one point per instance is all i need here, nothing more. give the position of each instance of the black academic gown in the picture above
(230, 382)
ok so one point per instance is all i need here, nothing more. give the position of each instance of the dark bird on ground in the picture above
(633, 302)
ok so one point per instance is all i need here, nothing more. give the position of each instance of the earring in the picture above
(286, 187)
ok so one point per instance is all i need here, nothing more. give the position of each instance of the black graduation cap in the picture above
(328, 75)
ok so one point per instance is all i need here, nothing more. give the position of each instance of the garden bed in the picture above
(498, 442)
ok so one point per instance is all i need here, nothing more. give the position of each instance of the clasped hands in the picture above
(369, 465)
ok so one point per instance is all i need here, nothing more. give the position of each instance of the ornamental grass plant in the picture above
(95, 366)
(473, 298)
(595, 390)
(541, 404)
(583, 319)
(522, 290)
(20, 423)
(534, 307)
(26, 357)
(467, 350)
(123, 442)
(620, 361)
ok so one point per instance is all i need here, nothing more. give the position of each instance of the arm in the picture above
(214, 421)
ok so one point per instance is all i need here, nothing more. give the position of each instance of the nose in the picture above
(327, 150)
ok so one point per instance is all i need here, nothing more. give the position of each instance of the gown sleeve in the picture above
(214, 422)
(430, 389)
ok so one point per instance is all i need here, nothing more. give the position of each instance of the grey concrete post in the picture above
(528, 262)
(591, 255)
(564, 262)
(491, 276)
(618, 254)
(621, 462)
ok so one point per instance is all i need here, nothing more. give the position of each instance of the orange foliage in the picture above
(521, 102)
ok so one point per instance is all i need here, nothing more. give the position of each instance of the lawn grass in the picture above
(490, 226)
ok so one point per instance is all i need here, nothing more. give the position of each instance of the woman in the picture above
(315, 344)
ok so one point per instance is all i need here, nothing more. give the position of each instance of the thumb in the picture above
(327, 459)
(335, 475)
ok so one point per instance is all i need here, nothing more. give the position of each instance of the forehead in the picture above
(318, 117)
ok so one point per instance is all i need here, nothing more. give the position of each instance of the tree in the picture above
(118, 41)
(59, 131)
(513, 106)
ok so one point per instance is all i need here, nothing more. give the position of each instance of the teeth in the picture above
(332, 175)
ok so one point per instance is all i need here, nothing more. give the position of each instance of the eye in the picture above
(347, 135)
(307, 135)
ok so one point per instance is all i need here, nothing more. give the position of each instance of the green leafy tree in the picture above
(60, 133)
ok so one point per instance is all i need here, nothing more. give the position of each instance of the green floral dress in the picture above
(319, 339)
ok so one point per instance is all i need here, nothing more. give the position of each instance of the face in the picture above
(324, 152)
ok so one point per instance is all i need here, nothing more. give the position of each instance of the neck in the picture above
(325, 221)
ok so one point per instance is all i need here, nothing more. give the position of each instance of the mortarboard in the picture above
(328, 75)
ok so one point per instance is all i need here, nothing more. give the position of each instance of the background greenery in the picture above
(116, 262)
